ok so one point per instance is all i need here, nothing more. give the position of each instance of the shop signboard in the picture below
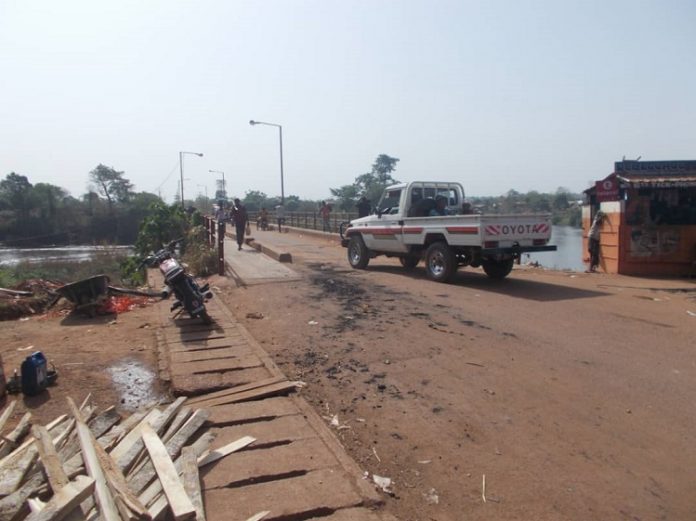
(608, 189)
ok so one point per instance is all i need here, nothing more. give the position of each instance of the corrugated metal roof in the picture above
(659, 181)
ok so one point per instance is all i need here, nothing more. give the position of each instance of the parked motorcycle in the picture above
(187, 292)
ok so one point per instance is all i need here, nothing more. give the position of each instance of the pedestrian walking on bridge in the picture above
(240, 217)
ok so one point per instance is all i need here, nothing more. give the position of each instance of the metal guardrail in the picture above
(310, 220)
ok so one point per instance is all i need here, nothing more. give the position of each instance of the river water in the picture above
(13, 256)
(569, 255)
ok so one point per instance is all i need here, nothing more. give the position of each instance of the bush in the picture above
(201, 259)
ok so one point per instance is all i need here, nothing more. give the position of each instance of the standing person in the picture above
(363, 207)
(325, 212)
(262, 220)
(220, 212)
(239, 214)
(593, 241)
(280, 215)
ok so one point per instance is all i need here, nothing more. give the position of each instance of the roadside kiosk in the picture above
(649, 226)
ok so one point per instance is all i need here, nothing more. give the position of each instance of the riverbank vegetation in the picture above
(112, 212)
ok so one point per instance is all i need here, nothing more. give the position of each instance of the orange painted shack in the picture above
(650, 223)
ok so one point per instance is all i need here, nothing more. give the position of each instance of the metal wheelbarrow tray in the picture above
(87, 294)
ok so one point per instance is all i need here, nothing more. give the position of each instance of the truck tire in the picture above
(440, 262)
(358, 254)
(497, 270)
(409, 261)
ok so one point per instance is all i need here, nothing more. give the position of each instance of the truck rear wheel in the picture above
(409, 261)
(497, 269)
(358, 254)
(440, 262)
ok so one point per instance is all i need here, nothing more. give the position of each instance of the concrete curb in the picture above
(273, 254)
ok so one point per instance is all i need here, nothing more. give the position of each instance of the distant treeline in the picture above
(44, 214)
(564, 206)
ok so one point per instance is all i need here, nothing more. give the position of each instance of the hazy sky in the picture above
(495, 94)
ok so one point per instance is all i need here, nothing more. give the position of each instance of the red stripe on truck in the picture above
(466, 230)
(373, 231)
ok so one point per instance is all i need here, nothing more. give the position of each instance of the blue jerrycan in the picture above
(34, 370)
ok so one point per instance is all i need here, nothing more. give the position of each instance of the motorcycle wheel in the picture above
(205, 318)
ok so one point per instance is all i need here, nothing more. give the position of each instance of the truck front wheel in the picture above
(440, 262)
(497, 269)
(358, 254)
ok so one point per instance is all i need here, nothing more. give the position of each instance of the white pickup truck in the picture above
(407, 225)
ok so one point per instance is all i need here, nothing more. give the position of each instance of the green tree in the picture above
(371, 184)
(16, 194)
(163, 224)
(48, 198)
(111, 185)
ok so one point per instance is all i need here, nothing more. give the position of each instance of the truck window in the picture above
(450, 194)
(429, 192)
(390, 201)
(416, 195)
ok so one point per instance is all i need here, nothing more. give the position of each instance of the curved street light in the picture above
(280, 130)
(181, 171)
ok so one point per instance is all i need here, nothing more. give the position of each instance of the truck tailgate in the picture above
(508, 229)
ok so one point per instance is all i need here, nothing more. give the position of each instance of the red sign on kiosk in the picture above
(608, 189)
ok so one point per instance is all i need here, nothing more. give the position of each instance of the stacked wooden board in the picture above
(96, 465)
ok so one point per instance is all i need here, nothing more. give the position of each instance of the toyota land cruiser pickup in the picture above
(406, 224)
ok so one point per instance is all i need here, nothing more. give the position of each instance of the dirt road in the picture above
(572, 394)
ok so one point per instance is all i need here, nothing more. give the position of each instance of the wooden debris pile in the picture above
(89, 465)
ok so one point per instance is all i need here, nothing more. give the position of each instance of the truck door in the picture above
(384, 233)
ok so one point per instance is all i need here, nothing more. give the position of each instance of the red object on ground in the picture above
(121, 304)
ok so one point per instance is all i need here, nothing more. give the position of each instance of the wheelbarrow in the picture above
(88, 295)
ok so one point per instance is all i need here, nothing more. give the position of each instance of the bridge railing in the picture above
(310, 220)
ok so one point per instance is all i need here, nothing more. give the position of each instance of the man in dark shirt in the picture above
(363, 207)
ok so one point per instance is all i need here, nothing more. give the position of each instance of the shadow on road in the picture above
(512, 287)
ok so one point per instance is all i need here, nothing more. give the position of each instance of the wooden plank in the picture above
(179, 502)
(176, 424)
(57, 478)
(13, 472)
(6, 413)
(196, 384)
(259, 516)
(206, 345)
(215, 366)
(104, 499)
(100, 425)
(238, 389)
(65, 500)
(200, 447)
(13, 438)
(262, 392)
(288, 498)
(119, 431)
(250, 412)
(184, 357)
(250, 466)
(125, 500)
(217, 454)
(123, 446)
(14, 505)
(285, 428)
(28, 443)
(139, 480)
(192, 480)
(128, 458)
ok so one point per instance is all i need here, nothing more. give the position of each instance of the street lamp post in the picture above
(181, 171)
(280, 133)
(224, 187)
(206, 190)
